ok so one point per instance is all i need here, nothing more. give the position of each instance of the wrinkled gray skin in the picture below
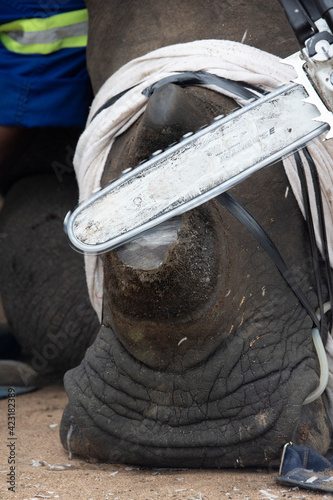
(42, 281)
(231, 394)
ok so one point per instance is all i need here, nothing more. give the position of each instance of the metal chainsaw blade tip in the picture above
(325, 116)
(196, 169)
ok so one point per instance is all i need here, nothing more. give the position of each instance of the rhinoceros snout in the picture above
(170, 316)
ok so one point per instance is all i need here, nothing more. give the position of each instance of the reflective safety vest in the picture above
(46, 35)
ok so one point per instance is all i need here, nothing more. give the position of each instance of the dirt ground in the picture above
(44, 470)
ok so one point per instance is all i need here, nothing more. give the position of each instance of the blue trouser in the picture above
(42, 90)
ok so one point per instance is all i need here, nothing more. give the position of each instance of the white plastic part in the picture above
(148, 250)
(318, 343)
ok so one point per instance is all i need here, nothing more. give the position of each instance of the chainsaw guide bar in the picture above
(195, 170)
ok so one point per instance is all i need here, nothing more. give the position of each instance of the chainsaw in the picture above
(269, 127)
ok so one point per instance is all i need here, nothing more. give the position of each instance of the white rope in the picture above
(224, 58)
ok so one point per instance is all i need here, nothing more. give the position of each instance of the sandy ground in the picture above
(43, 469)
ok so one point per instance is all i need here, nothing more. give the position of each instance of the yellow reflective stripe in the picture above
(46, 23)
(55, 28)
(43, 48)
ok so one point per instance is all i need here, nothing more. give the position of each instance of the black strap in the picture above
(300, 18)
(325, 9)
(312, 237)
(302, 15)
(322, 229)
(111, 101)
(240, 89)
(260, 234)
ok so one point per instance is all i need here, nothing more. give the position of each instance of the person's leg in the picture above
(12, 143)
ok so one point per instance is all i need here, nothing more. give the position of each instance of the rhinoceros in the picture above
(202, 355)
